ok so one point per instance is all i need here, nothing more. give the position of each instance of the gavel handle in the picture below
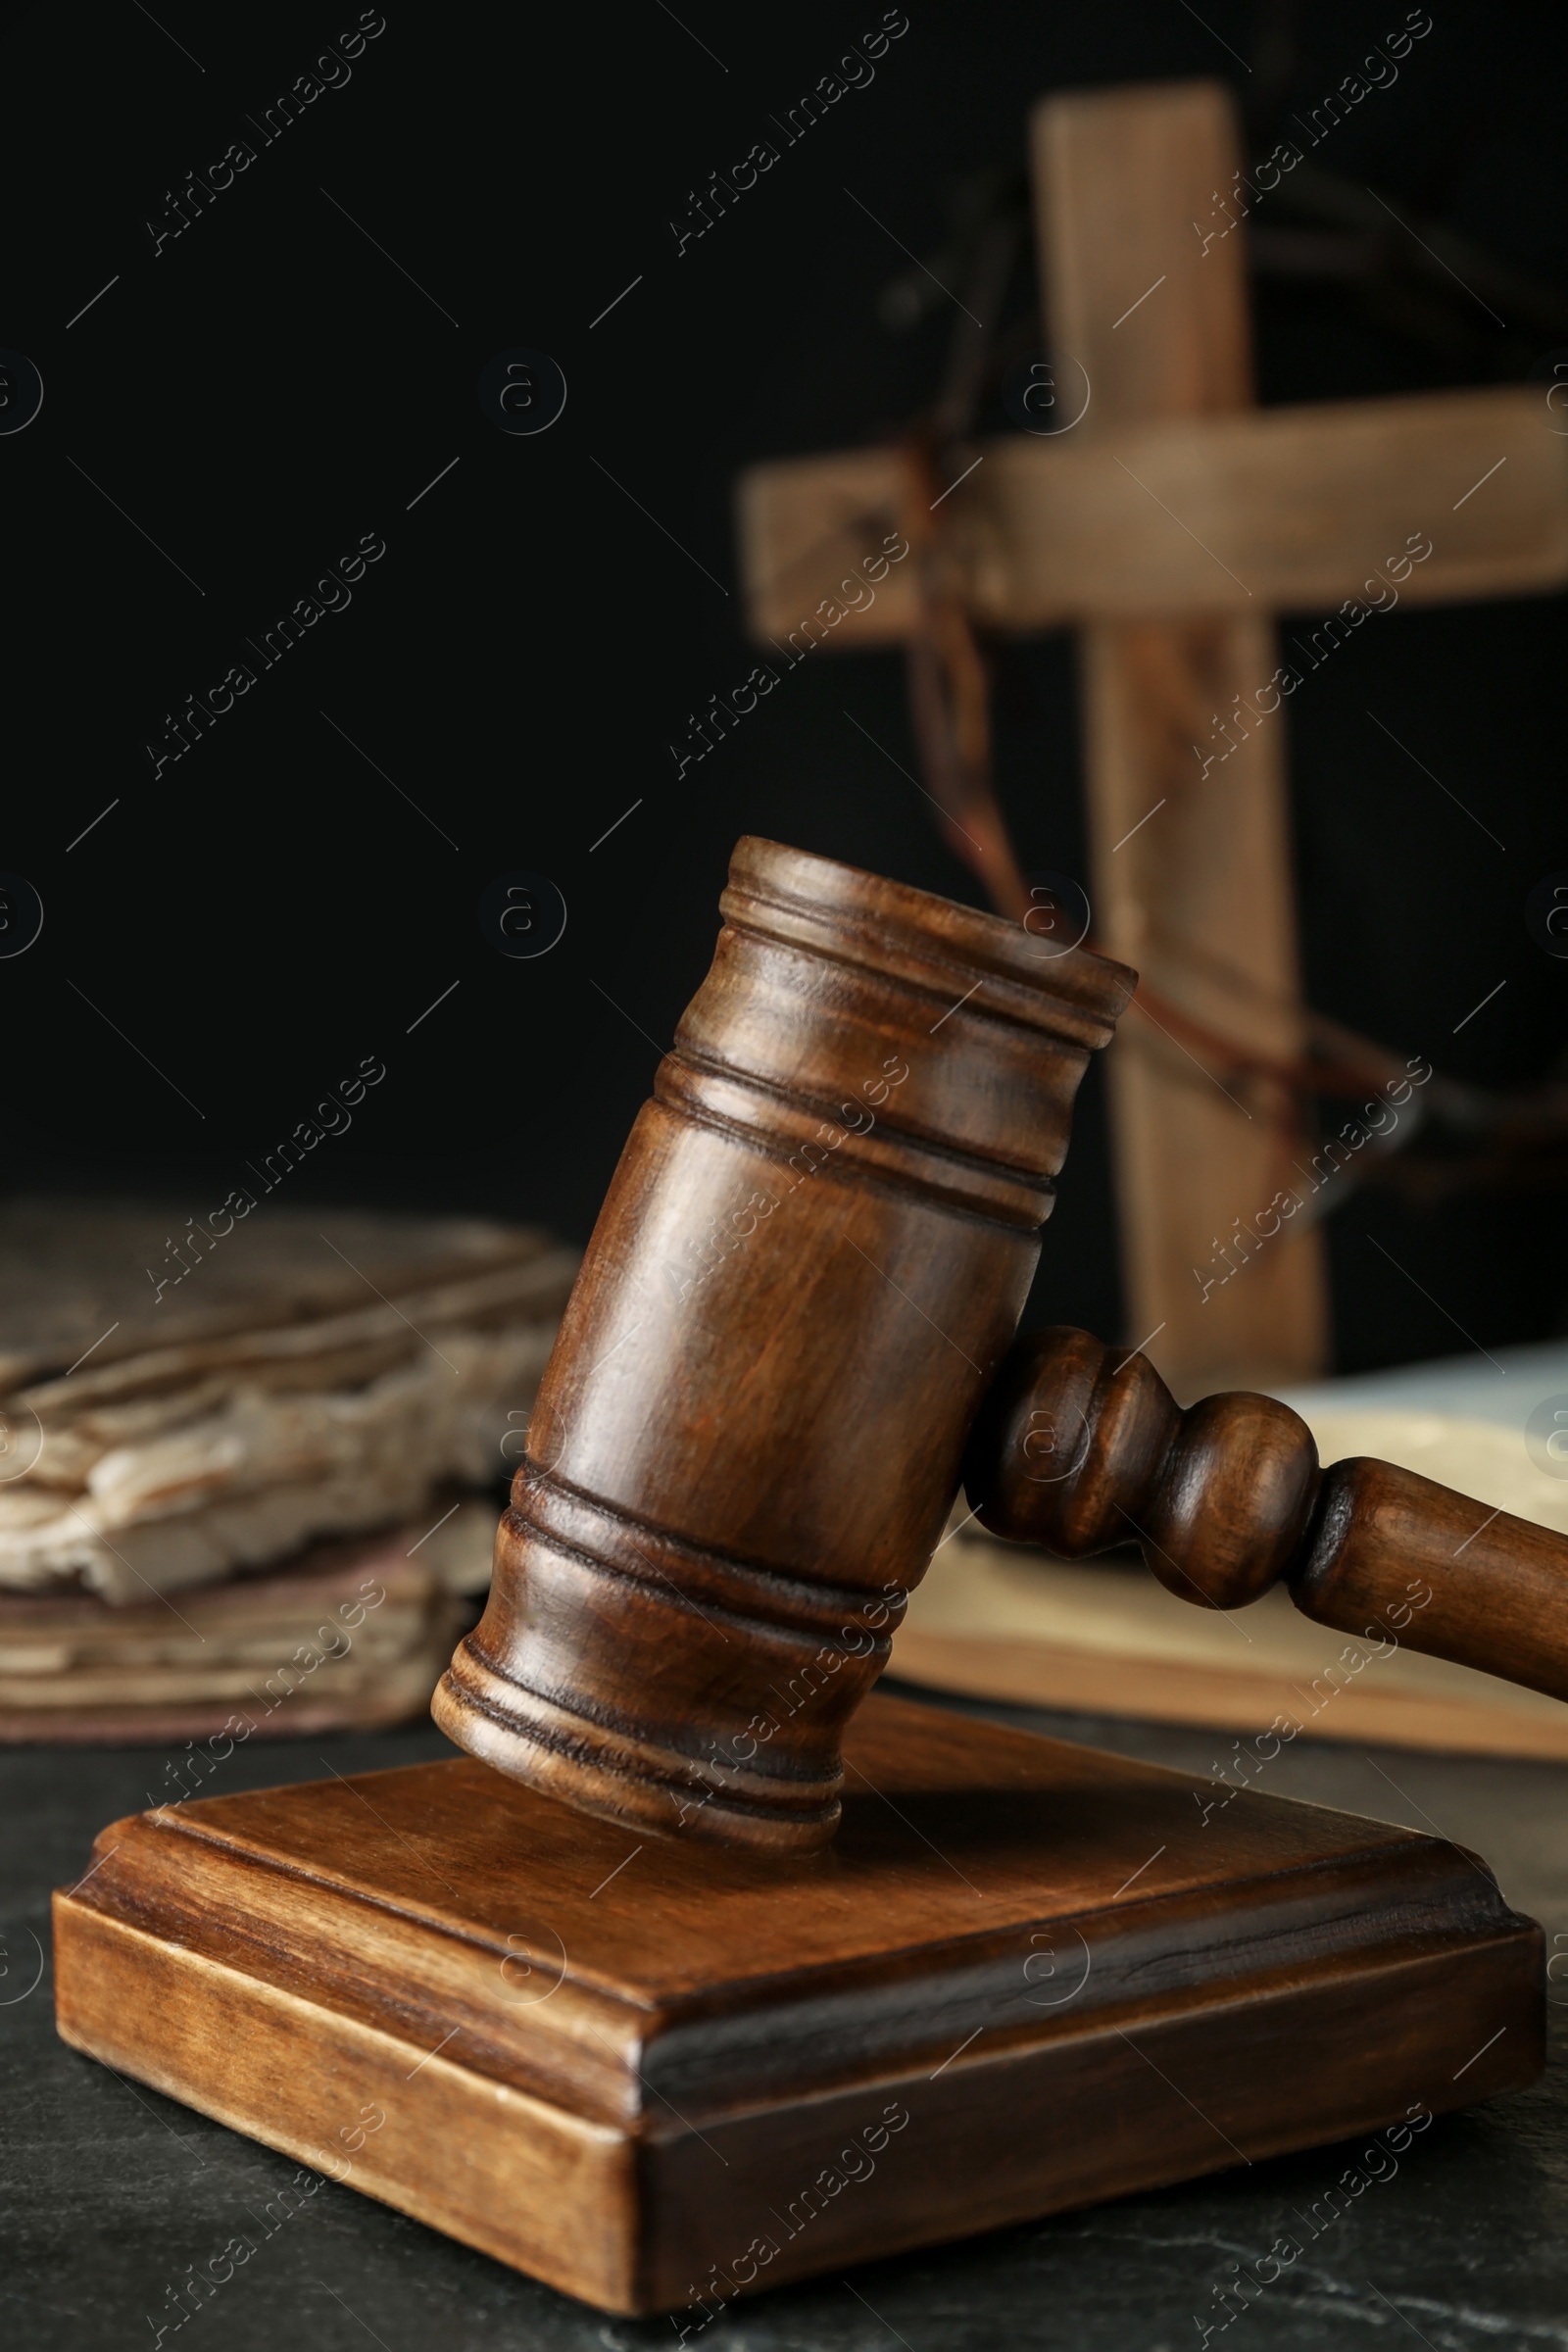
(1078, 1449)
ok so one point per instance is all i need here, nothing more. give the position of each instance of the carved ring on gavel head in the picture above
(812, 1258)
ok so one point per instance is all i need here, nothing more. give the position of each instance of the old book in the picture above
(324, 1374)
(117, 1278)
(349, 1636)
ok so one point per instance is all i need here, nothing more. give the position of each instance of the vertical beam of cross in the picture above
(1161, 323)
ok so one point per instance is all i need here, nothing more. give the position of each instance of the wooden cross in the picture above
(1168, 526)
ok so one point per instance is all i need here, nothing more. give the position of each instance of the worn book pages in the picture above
(118, 1278)
(351, 1636)
(301, 1396)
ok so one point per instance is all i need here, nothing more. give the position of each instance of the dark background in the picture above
(272, 386)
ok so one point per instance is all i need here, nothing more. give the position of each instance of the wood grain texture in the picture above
(1182, 860)
(811, 1257)
(1289, 510)
(1119, 176)
(1498, 1585)
(1081, 1452)
(1114, 172)
(657, 2075)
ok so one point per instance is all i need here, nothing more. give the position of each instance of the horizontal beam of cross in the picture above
(1275, 510)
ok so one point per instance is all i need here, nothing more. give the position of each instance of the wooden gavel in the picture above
(794, 1332)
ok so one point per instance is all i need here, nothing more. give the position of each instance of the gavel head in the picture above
(813, 1256)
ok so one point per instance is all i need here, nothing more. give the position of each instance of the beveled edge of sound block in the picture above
(632, 2071)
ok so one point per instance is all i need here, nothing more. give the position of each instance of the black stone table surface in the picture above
(111, 2194)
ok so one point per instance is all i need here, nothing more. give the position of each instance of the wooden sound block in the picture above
(658, 2074)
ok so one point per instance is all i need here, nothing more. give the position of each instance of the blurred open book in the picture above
(1103, 1637)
